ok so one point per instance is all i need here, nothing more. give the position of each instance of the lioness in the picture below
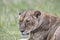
(40, 25)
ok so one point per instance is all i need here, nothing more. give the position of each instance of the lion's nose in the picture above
(22, 31)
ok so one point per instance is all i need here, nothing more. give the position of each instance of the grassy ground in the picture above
(9, 9)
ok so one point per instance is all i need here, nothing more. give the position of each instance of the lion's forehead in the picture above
(25, 15)
(25, 18)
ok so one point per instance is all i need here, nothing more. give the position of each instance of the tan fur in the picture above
(40, 25)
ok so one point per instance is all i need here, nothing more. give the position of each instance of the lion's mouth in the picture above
(25, 33)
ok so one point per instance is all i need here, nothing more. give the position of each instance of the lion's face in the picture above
(28, 21)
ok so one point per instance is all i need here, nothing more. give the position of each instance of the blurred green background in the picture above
(9, 9)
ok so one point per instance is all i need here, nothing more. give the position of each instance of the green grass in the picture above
(9, 9)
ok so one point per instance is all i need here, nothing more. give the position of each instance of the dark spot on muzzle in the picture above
(21, 30)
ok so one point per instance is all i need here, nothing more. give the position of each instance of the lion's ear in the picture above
(37, 14)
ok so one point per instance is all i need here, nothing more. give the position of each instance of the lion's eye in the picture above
(20, 20)
(27, 21)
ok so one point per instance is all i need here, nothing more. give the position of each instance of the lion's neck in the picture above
(42, 30)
